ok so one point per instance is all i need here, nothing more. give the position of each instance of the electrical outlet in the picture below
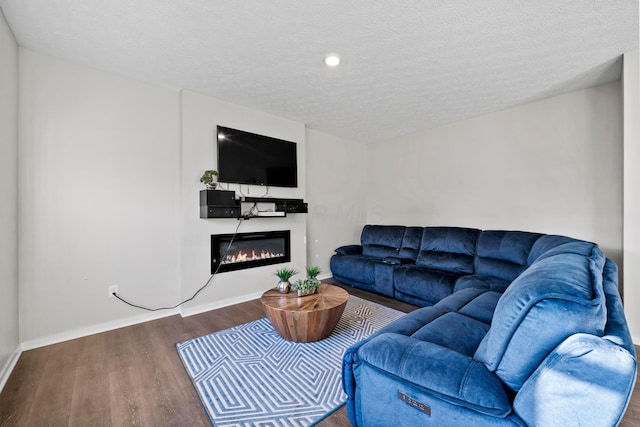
(113, 289)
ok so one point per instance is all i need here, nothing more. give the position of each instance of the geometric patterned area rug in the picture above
(249, 376)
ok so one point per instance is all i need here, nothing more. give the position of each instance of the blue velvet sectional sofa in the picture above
(516, 329)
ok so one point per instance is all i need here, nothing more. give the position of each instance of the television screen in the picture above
(248, 158)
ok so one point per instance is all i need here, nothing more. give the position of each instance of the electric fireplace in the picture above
(248, 250)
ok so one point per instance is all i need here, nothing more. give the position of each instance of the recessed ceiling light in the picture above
(332, 60)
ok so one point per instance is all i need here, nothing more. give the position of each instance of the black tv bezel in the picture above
(257, 137)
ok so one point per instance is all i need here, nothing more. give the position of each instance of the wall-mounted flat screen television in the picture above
(249, 158)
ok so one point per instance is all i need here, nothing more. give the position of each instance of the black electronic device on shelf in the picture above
(219, 204)
(223, 204)
(282, 205)
(294, 208)
(208, 211)
(217, 197)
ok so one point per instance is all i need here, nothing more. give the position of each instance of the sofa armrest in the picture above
(350, 361)
(349, 250)
(350, 365)
(586, 380)
(443, 373)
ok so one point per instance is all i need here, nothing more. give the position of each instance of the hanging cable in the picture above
(235, 233)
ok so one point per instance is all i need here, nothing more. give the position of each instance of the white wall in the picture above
(336, 192)
(109, 172)
(9, 341)
(99, 197)
(631, 87)
(553, 166)
(200, 116)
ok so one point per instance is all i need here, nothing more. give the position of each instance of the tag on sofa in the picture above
(421, 406)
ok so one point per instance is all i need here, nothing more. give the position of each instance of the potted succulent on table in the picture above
(210, 179)
(284, 274)
(309, 285)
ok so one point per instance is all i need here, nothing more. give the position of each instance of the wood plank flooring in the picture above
(133, 376)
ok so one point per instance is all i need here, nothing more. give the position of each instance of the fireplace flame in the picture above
(242, 256)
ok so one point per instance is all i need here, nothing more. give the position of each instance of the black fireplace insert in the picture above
(248, 250)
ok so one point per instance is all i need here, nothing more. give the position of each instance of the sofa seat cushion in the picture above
(482, 307)
(482, 282)
(556, 297)
(411, 322)
(454, 331)
(476, 303)
(459, 322)
(424, 283)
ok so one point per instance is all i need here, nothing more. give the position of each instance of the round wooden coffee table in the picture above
(305, 319)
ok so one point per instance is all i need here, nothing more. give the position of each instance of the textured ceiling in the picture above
(406, 65)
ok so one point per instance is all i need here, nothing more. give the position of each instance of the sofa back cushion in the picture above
(380, 241)
(448, 249)
(556, 297)
(503, 254)
(411, 243)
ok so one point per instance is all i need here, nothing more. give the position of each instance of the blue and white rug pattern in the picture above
(249, 376)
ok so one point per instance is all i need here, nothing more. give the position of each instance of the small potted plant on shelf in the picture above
(284, 274)
(309, 285)
(210, 179)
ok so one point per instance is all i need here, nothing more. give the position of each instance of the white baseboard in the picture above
(8, 367)
(96, 329)
(186, 312)
(325, 276)
(116, 324)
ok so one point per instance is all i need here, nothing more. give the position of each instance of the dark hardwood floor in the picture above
(133, 376)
